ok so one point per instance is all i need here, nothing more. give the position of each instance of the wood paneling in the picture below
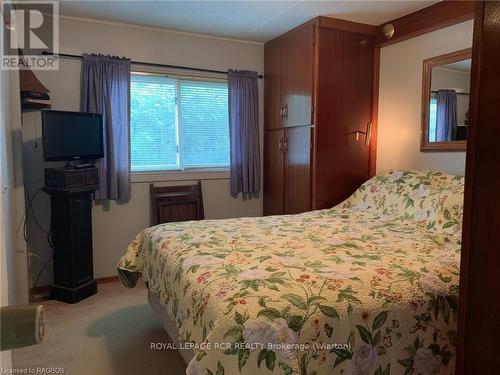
(273, 172)
(327, 129)
(297, 76)
(344, 106)
(372, 169)
(479, 300)
(357, 83)
(297, 169)
(349, 26)
(428, 19)
(272, 85)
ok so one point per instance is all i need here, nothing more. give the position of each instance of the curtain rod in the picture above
(156, 65)
(456, 92)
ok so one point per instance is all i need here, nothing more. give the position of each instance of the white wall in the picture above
(13, 269)
(5, 259)
(13, 265)
(115, 225)
(400, 97)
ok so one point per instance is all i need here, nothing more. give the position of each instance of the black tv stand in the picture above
(71, 230)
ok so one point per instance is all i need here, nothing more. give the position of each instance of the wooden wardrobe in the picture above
(317, 94)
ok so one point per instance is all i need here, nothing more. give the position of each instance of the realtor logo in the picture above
(30, 35)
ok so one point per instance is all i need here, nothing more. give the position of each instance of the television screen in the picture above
(72, 135)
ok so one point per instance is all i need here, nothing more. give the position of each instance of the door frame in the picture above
(479, 299)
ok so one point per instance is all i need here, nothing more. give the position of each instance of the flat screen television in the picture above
(72, 135)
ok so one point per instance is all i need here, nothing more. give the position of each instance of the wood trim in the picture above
(372, 167)
(203, 174)
(313, 176)
(349, 26)
(107, 280)
(337, 24)
(450, 146)
(428, 64)
(479, 302)
(434, 17)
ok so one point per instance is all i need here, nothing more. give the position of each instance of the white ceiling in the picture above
(256, 20)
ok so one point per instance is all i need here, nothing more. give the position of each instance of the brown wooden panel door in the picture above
(344, 106)
(356, 109)
(297, 55)
(273, 172)
(297, 169)
(272, 85)
(328, 113)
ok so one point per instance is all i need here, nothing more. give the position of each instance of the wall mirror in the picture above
(445, 101)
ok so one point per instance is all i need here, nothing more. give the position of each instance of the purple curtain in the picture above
(446, 115)
(244, 132)
(105, 89)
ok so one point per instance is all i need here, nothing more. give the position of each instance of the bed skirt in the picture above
(169, 325)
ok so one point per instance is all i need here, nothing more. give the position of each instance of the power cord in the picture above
(29, 208)
(40, 274)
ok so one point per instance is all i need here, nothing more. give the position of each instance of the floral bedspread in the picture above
(367, 287)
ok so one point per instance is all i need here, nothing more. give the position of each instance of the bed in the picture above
(367, 287)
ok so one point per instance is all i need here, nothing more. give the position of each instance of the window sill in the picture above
(181, 175)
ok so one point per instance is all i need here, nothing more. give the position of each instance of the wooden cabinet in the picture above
(297, 76)
(287, 170)
(272, 87)
(288, 86)
(318, 92)
(274, 172)
(297, 149)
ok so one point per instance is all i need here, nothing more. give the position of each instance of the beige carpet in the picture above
(108, 333)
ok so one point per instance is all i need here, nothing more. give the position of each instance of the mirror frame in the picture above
(448, 58)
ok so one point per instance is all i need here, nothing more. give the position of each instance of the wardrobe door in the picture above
(344, 106)
(273, 172)
(297, 169)
(272, 84)
(297, 55)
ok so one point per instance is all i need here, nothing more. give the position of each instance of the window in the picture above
(432, 120)
(178, 123)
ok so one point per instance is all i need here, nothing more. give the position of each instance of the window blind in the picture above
(153, 123)
(204, 126)
(178, 123)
